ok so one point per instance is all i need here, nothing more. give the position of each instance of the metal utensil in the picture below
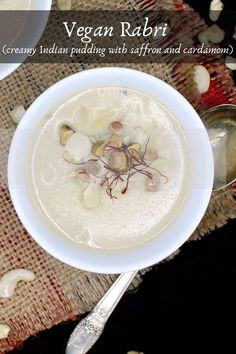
(87, 332)
(220, 122)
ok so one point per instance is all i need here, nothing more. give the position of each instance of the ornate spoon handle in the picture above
(87, 332)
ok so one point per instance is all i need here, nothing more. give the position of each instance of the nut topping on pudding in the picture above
(110, 163)
(115, 165)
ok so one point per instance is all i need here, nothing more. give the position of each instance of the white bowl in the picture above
(37, 5)
(174, 235)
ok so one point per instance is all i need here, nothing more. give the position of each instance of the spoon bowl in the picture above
(220, 122)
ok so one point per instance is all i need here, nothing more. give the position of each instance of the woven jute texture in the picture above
(61, 292)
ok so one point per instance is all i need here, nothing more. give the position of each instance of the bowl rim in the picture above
(119, 265)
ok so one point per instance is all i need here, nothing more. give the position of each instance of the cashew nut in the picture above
(216, 7)
(202, 78)
(17, 114)
(230, 62)
(203, 37)
(213, 34)
(78, 146)
(9, 281)
(64, 4)
(4, 331)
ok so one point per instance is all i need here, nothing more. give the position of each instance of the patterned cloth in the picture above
(61, 292)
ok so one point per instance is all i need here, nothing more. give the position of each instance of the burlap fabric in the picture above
(61, 292)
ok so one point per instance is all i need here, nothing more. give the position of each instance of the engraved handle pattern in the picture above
(87, 332)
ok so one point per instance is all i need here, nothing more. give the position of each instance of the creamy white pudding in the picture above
(109, 168)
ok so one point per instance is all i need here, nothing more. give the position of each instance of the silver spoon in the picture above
(220, 122)
(87, 332)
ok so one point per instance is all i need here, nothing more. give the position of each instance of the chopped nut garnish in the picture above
(139, 135)
(134, 150)
(108, 149)
(115, 163)
(202, 78)
(4, 331)
(216, 7)
(98, 148)
(78, 146)
(118, 161)
(83, 175)
(92, 167)
(215, 34)
(116, 127)
(230, 62)
(92, 196)
(65, 133)
(64, 4)
(102, 147)
(17, 113)
(203, 37)
(115, 140)
(152, 183)
(151, 155)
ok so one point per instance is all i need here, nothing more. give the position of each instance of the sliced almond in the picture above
(153, 184)
(134, 151)
(4, 331)
(203, 37)
(92, 196)
(151, 155)
(92, 167)
(17, 114)
(139, 136)
(81, 119)
(230, 62)
(83, 175)
(115, 140)
(78, 146)
(215, 34)
(64, 4)
(216, 6)
(202, 78)
(100, 123)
